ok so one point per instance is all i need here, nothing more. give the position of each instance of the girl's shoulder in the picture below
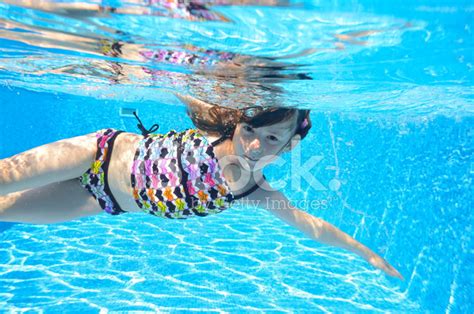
(210, 137)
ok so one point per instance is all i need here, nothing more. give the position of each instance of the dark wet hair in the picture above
(222, 120)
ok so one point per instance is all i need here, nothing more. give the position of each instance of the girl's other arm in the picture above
(319, 229)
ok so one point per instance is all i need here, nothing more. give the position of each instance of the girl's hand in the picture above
(382, 264)
(316, 228)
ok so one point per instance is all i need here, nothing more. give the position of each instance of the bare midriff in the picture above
(120, 166)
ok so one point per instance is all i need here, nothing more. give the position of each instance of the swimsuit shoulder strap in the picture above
(249, 191)
(228, 134)
(142, 128)
(220, 140)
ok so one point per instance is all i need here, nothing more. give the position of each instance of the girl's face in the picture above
(252, 144)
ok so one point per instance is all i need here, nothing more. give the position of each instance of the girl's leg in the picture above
(54, 162)
(53, 203)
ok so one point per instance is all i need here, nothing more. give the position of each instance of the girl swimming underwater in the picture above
(195, 172)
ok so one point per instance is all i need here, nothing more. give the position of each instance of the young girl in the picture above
(195, 172)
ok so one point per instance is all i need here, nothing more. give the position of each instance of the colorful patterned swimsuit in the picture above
(174, 175)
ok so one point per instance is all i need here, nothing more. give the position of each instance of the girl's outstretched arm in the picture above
(49, 163)
(319, 229)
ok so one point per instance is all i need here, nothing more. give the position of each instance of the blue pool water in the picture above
(392, 111)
